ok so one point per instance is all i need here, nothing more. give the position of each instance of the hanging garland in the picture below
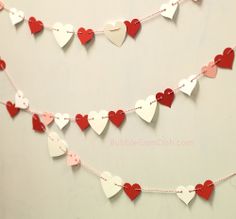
(115, 32)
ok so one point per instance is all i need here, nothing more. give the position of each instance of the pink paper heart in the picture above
(72, 159)
(47, 118)
(210, 70)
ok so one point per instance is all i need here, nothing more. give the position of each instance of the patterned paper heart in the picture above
(2, 64)
(62, 120)
(35, 26)
(117, 117)
(12, 109)
(186, 194)
(38, 126)
(16, 16)
(205, 191)
(133, 27)
(82, 121)
(85, 36)
(166, 98)
(210, 70)
(226, 60)
(132, 191)
(47, 118)
(187, 85)
(169, 10)
(72, 159)
(98, 121)
(20, 101)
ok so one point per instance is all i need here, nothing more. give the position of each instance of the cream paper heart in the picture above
(116, 32)
(20, 101)
(168, 10)
(186, 194)
(56, 146)
(16, 16)
(111, 184)
(62, 33)
(146, 108)
(187, 85)
(62, 120)
(98, 120)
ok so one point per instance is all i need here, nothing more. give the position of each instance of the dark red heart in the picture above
(205, 190)
(2, 64)
(82, 121)
(117, 117)
(166, 98)
(133, 27)
(226, 60)
(132, 191)
(85, 35)
(38, 126)
(35, 25)
(12, 110)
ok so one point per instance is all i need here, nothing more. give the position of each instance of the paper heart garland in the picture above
(2, 64)
(111, 185)
(20, 101)
(62, 120)
(47, 118)
(16, 16)
(205, 190)
(82, 121)
(169, 10)
(117, 118)
(63, 33)
(72, 159)
(98, 120)
(146, 108)
(226, 60)
(186, 194)
(187, 85)
(38, 126)
(132, 191)
(56, 146)
(12, 109)
(116, 33)
(85, 36)
(166, 98)
(133, 27)
(210, 70)
(35, 26)
(1, 6)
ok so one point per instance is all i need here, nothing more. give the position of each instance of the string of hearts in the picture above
(145, 108)
(115, 32)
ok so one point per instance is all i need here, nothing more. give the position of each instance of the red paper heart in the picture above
(85, 35)
(38, 126)
(12, 110)
(226, 60)
(166, 98)
(205, 190)
(133, 27)
(132, 191)
(2, 64)
(82, 121)
(34, 25)
(117, 117)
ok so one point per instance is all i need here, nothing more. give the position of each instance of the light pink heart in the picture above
(210, 70)
(47, 118)
(1, 6)
(72, 159)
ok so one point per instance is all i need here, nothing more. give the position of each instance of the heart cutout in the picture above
(20, 101)
(187, 85)
(62, 120)
(85, 36)
(47, 118)
(166, 98)
(2, 65)
(210, 70)
(16, 16)
(132, 191)
(186, 194)
(38, 126)
(169, 10)
(35, 26)
(98, 121)
(133, 27)
(72, 159)
(56, 146)
(226, 60)
(12, 109)
(111, 185)
(117, 118)
(82, 121)
(205, 190)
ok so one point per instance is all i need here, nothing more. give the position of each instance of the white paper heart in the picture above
(63, 33)
(20, 101)
(56, 146)
(109, 185)
(146, 108)
(98, 120)
(62, 120)
(187, 193)
(116, 32)
(16, 16)
(169, 9)
(187, 85)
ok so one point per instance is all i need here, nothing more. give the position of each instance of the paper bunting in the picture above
(47, 118)
(12, 109)
(72, 159)
(187, 85)
(1, 6)
(16, 16)
(38, 126)
(226, 59)
(117, 118)
(205, 191)
(210, 70)
(132, 191)
(133, 27)
(2, 65)
(82, 121)
(85, 36)
(166, 98)
(20, 101)
(35, 26)
(62, 120)
(186, 194)
(169, 10)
